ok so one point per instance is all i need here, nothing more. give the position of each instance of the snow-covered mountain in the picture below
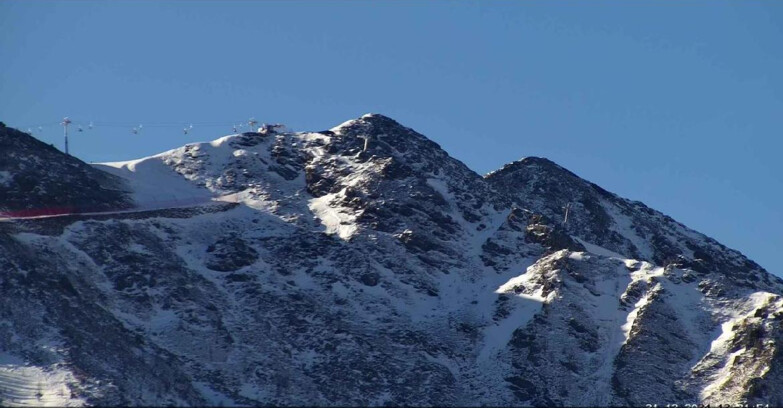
(334, 275)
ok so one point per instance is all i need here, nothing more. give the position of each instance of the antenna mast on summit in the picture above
(65, 124)
(366, 142)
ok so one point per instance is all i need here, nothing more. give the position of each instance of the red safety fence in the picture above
(145, 206)
(38, 212)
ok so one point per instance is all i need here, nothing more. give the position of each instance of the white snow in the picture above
(493, 219)
(578, 256)
(338, 129)
(5, 178)
(31, 386)
(497, 336)
(623, 225)
(214, 398)
(525, 306)
(153, 184)
(333, 219)
(631, 318)
(441, 187)
(645, 272)
(467, 294)
(720, 362)
(605, 311)
(595, 249)
(725, 369)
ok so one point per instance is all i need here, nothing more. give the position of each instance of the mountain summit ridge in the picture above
(363, 265)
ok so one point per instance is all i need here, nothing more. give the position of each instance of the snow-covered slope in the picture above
(393, 275)
(151, 182)
(23, 385)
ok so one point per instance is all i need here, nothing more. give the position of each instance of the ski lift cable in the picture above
(136, 128)
(94, 124)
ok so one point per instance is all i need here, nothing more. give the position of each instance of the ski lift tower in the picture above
(65, 124)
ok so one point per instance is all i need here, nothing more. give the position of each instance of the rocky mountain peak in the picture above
(385, 137)
(526, 162)
(373, 123)
(389, 274)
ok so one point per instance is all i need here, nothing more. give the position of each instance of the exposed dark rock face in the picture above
(393, 275)
(230, 254)
(551, 236)
(626, 227)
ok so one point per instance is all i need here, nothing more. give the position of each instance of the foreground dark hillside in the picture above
(37, 176)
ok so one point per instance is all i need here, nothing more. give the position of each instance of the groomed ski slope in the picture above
(30, 386)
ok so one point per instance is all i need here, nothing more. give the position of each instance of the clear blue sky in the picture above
(676, 104)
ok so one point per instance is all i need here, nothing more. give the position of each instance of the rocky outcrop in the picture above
(393, 275)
